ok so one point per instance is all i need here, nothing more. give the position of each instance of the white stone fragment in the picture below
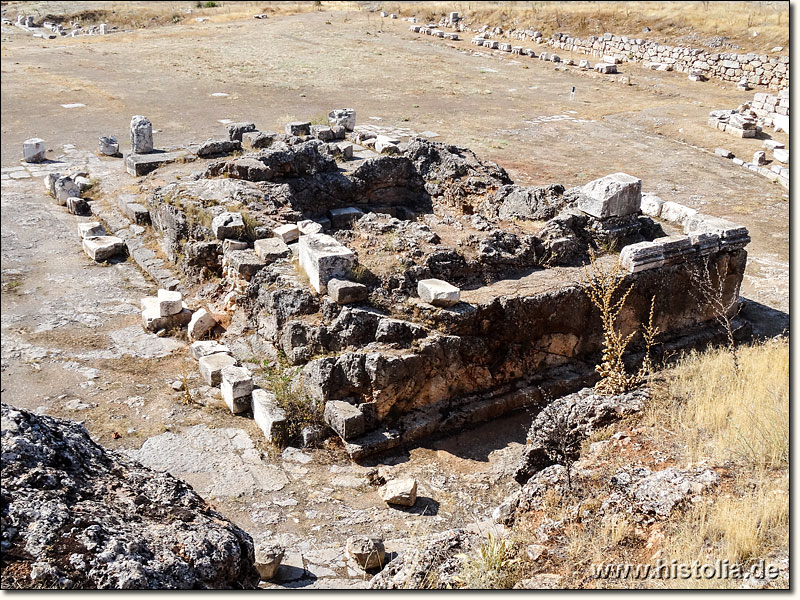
(205, 347)
(202, 322)
(438, 292)
(676, 213)
(322, 258)
(270, 417)
(614, 195)
(91, 229)
(34, 150)
(287, 233)
(169, 303)
(651, 205)
(402, 492)
(211, 367)
(141, 135)
(236, 386)
(103, 247)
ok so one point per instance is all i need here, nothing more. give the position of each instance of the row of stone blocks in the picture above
(607, 68)
(435, 32)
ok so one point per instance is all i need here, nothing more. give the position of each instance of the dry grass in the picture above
(669, 21)
(729, 416)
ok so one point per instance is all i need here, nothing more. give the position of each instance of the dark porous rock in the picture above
(533, 203)
(236, 130)
(581, 414)
(218, 147)
(76, 515)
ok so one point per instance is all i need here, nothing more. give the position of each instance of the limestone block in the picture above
(676, 213)
(651, 205)
(324, 258)
(202, 322)
(584, 65)
(169, 303)
(78, 206)
(203, 348)
(258, 139)
(137, 213)
(84, 183)
(724, 153)
(347, 292)
(322, 132)
(344, 418)
(108, 146)
(214, 147)
(268, 560)
(773, 145)
(368, 553)
(402, 492)
(34, 150)
(308, 227)
(237, 130)
(211, 367)
(50, 183)
(781, 155)
(141, 164)
(759, 158)
(642, 256)
(344, 217)
(91, 229)
(103, 247)
(287, 233)
(270, 417)
(386, 143)
(271, 249)
(236, 385)
(606, 68)
(228, 225)
(296, 128)
(614, 195)
(229, 245)
(141, 135)
(64, 188)
(438, 292)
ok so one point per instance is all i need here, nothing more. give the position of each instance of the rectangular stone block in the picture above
(236, 385)
(438, 292)
(78, 206)
(169, 303)
(344, 418)
(287, 233)
(91, 229)
(324, 258)
(258, 139)
(142, 164)
(614, 195)
(676, 213)
(103, 247)
(347, 292)
(211, 367)
(270, 417)
(203, 348)
(642, 256)
(271, 249)
(344, 217)
(651, 205)
(245, 262)
(137, 213)
(34, 150)
(201, 323)
(153, 321)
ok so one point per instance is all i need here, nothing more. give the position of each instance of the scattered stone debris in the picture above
(402, 492)
(368, 552)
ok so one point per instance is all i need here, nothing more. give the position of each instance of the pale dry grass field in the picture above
(669, 21)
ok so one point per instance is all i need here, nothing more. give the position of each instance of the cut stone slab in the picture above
(137, 213)
(34, 150)
(438, 292)
(270, 417)
(651, 205)
(342, 291)
(211, 367)
(245, 262)
(268, 560)
(202, 322)
(237, 130)
(258, 139)
(606, 68)
(368, 552)
(65, 187)
(344, 217)
(402, 492)
(773, 145)
(344, 418)
(50, 183)
(642, 256)
(230, 244)
(204, 348)
(298, 128)
(271, 249)
(676, 213)
(781, 155)
(614, 195)
(108, 146)
(141, 135)
(228, 225)
(388, 144)
(91, 229)
(323, 258)
(308, 227)
(216, 147)
(346, 117)
(103, 247)
(169, 303)
(236, 385)
(724, 153)
(84, 183)
(138, 165)
(287, 233)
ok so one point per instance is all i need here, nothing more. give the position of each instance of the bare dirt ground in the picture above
(71, 341)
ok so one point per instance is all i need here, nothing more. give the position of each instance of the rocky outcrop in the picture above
(75, 515)
(531, 203)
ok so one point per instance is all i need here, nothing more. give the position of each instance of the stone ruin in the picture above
(407, 292)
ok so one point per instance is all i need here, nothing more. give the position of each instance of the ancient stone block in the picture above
(606, 68)
(63, 188)
(344, 217)
(153, 321)
(211, 367)
(344, 418)
(228, 225)
(271, 249)
(78, 206)
(237, 130)
(402, 492)
(438, 292)
(347, 292)
(307, 227)
(205, 347)
(651, 205)
(245, 262)
(49, 182)
(91, 229)
(258, 139)
(141, 164)
(270, 417)
(108, 146)
(218, 147)
(202, 322)
(676, 213)
(268, 560)
(169, 303)
(368, 552)
(759, 158)
(141, 135)
(103, 247)
(723, 153)
(136, 212)
(34, 150)
(387, 144)
(642, 256)
(297, 128)
(236, 385)
(781, 155)
(324, 258)
(287, 233)
(614, 195)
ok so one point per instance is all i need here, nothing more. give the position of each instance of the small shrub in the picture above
(494, 567)
(300, 411)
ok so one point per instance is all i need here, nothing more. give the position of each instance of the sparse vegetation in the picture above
(300, 411)
(493, 567)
